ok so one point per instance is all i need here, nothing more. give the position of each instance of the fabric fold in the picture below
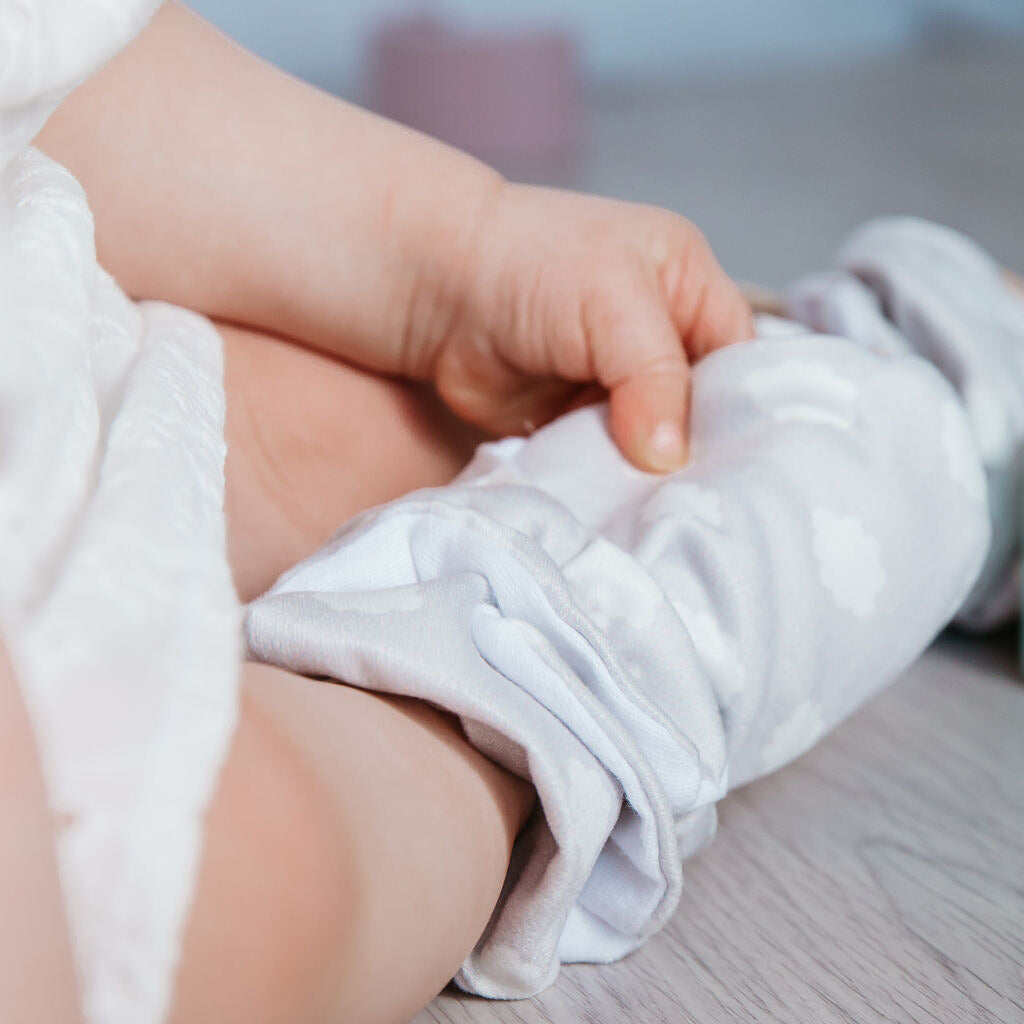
(910, 285)
(498, 638)
(635, 645)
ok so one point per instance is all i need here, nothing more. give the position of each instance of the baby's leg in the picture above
(312, 441)
(355, 849)
(347, 827)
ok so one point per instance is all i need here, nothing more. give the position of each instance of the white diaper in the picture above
(637, 645)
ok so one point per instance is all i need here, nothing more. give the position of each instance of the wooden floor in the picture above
(881, 876)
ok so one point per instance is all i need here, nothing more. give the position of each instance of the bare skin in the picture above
(312, 441)
(354, 851)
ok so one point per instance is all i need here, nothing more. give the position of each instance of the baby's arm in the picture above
(223, 185)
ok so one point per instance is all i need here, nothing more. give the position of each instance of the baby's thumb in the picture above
(649, 400)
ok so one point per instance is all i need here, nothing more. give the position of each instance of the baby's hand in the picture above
(567, 290)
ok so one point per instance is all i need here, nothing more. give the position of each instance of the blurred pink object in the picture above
(511, 98)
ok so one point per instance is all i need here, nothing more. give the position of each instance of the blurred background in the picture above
(776, 125)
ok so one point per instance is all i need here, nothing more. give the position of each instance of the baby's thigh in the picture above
(313, 441)
(354, 851)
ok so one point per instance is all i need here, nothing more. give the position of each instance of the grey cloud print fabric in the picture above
(638, 645)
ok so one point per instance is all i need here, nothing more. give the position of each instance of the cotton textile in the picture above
(637, 645)
(116, 601)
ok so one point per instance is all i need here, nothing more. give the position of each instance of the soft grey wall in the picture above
(622, 40)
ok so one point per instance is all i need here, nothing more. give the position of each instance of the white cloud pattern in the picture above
(704, 503)
(798, 391)
(964, 467)
(849, 561)
(793, 736)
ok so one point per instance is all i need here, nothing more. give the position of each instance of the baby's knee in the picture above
(276, 902)
(349, 829)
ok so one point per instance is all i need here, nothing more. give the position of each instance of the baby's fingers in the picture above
(648, 372)
(706, 305)
(642, 363)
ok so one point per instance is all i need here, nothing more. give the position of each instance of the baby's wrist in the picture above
(444, 255)
(381, 279)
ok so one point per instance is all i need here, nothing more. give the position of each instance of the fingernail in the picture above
(666, 449)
